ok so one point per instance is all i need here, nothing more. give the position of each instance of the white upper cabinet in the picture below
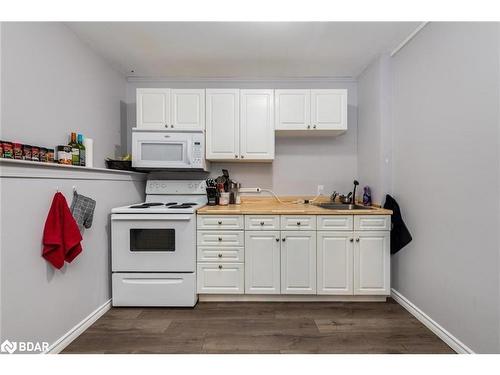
(293, 109)
(222, 124)
(257, 124)
(153, 108)
(187, 109)
(323, 111)
(182, 109)
(329, 109)
(240, 124)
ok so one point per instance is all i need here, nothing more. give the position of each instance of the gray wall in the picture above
(53, 84)
(301, 163)
(446, 177)
(374, 128)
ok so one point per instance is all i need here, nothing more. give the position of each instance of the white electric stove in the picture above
(154, 246)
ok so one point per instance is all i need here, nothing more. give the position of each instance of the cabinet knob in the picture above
(277, 239)
(261, 223)
(308, 126)
(351, 239)
(219, 255)
(298, 222)
(242, 156)
(283, 239)
(220, 238)
(236, 156)
(171, 126)
(219, 222)
(357, 239)
(314, 126)
(220, 266)
(166, 125)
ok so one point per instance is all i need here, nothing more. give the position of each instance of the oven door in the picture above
(153, 242)
(161, 150)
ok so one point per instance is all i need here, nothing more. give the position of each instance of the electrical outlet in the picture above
(321, 188)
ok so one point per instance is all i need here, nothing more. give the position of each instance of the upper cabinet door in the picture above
(188, 109)
(222, 124)
(257, 124)
(153, 108)
(293, 109)
(329, 109)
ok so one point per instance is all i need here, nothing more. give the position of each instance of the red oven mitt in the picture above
(61, 236)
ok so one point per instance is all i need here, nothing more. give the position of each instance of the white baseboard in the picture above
(77, 330)
(286, 298)
(427, 321)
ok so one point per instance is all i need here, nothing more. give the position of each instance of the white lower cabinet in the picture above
(335, 262)
(298, 262)
(262, 262)
(372, 263)
(220, 278)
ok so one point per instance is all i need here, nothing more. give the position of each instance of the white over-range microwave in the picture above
(167, 149)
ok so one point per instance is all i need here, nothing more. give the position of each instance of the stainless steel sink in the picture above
(342, 206)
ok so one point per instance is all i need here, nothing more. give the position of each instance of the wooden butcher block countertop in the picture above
(271, 206)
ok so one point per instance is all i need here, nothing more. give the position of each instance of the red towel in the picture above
(61, 236)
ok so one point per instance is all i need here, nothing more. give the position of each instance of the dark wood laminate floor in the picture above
(260, 327)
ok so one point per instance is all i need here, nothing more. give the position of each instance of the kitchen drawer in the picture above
(298, 222)
(221, 278)
(154, 289)
(372, 222)
(262, 222)
(221, 254)
(220, 222)
(335, 222)
(220, 238)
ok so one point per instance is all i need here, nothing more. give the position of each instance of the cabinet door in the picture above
(329, 109)
(188, 109)
(262, 262)
(222, 124)
(293, 109)
(335, 262)
(153, 108)
(372, 263)
(257, 124)
(298, 262)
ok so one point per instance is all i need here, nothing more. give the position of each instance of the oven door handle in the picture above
(150, 217)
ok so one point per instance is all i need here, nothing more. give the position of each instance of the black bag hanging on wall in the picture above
(400, 235)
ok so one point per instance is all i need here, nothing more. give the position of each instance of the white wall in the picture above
(53, 84)
(374, 128)
(301, 163)
(446, 177)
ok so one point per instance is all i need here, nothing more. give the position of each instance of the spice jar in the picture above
(64, 155)
(8, 152)
(35, 153)
(43, 154)
(27, 152)
(50, 155)
(1, 149)
(18, 150)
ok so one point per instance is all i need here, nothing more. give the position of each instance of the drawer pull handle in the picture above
(220, 238)
(277, 239)
(220, 266)
(357, 239)
(219, 255)
(283, 239)
(351, 239)
(298, 222)
(261, 223)
(219, 222)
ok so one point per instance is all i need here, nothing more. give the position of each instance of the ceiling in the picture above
(242, 49)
